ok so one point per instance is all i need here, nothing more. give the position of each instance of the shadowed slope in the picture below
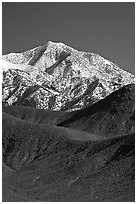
(61, 58)
(33, 114)
(113, 115)
(37, 54)
(57, 164)
(24, 141)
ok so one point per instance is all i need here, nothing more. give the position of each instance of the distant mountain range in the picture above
(57, 77)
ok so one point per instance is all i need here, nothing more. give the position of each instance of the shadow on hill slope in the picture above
(114, 115)
(33, 114)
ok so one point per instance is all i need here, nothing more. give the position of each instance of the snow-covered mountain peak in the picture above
(58, 77)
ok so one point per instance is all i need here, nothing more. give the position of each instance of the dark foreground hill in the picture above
(114, 115)
(43, 162)
(23, 141)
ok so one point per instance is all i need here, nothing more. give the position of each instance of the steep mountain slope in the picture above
(57, 77)
(51, 163)
(114, 115)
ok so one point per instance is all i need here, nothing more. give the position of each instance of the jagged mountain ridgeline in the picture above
(57, 77)
(68, 127)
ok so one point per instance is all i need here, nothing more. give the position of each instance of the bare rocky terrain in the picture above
(68, 127)
(57, 77)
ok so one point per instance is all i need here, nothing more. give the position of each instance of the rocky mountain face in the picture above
(82, 147)
(57, 77)
(109, 117)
